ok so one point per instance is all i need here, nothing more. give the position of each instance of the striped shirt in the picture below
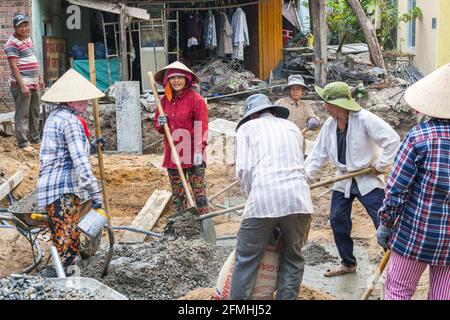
(23, 51)
(64, 159)
(417, 195)
(269, 168)
(299, 112)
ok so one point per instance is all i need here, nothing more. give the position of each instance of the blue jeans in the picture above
(341, 221)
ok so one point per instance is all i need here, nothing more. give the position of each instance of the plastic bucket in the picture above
(92, 223)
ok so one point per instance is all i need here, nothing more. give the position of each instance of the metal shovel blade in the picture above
(208, 232)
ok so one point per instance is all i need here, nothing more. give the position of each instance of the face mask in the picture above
(78, 106)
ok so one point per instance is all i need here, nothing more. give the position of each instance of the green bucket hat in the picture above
(338, 93)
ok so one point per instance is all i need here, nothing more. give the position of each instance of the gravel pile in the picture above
(183, 225)
(24, 287)
(315, 254)
(162, 269)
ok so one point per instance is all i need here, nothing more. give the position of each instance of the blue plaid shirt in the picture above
(64, 159)
(417, 195)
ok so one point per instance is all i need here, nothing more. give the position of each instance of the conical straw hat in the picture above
(431, 95)
(72, 86)
(159, 76)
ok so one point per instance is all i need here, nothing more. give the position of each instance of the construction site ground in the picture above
(131, 179)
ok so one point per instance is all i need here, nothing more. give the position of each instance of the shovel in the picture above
(208, 231)
(313, 186)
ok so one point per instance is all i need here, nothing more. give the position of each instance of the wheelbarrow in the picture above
(31, 223)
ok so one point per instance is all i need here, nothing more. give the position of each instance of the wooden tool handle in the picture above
(176, 158)
(304, 130)
(377, 275)
(340, 178)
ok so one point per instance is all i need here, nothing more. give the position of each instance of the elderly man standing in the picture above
(299, 113)
(415, 216)
(350, 139)
(25, 83)
(269, 168)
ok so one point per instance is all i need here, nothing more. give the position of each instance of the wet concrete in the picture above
(345, 287)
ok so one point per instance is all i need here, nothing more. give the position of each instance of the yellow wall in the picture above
(443, 50)
(425, 51)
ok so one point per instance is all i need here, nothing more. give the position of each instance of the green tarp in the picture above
(101, 68)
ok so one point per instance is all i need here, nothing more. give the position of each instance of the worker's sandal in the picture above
(339, 270)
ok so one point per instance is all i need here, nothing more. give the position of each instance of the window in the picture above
(411, 33)
(434, 23)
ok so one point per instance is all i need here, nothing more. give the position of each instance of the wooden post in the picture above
(98, 132)
(369, 34)
(320, 32)
(123, 41)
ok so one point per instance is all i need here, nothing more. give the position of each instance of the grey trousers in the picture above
(27, 111)
(252, 239)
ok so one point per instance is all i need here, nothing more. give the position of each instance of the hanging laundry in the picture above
(240, 34)
(224, 36)
(192, 42)
(209, 32)
(194, 28)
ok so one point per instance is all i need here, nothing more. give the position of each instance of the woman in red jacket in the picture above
(186, 113)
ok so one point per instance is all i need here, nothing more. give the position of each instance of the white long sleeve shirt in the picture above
(240, 29)
(366, 134)
(269, 168)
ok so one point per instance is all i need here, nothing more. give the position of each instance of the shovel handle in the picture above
(175, 156)
(377, 274)
(340, 178)
(316, 185)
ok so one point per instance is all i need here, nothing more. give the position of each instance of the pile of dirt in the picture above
(315, 254)
(306, 293)
(162, 269)
(13, 159)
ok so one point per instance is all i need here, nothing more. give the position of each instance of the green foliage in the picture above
(341, 20)
(411, 15)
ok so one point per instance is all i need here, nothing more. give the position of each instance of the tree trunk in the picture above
(369, 34)
(320, 32)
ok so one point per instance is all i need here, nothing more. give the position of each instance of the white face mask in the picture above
(78, 106)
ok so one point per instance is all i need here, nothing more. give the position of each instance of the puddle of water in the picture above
(346, 287)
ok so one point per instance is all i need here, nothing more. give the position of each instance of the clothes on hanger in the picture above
(194, 28)
(240, 34)
(209, 32)
(224, 35)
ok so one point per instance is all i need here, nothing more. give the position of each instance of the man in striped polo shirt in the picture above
(25, 83)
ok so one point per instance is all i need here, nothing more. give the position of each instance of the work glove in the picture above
(383, 235)
(94, 144)
(162, 120)
(198, 159)
(96, 199)
(312, 124)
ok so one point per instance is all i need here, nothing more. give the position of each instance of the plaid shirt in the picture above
(64, 159)
(417, 195)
